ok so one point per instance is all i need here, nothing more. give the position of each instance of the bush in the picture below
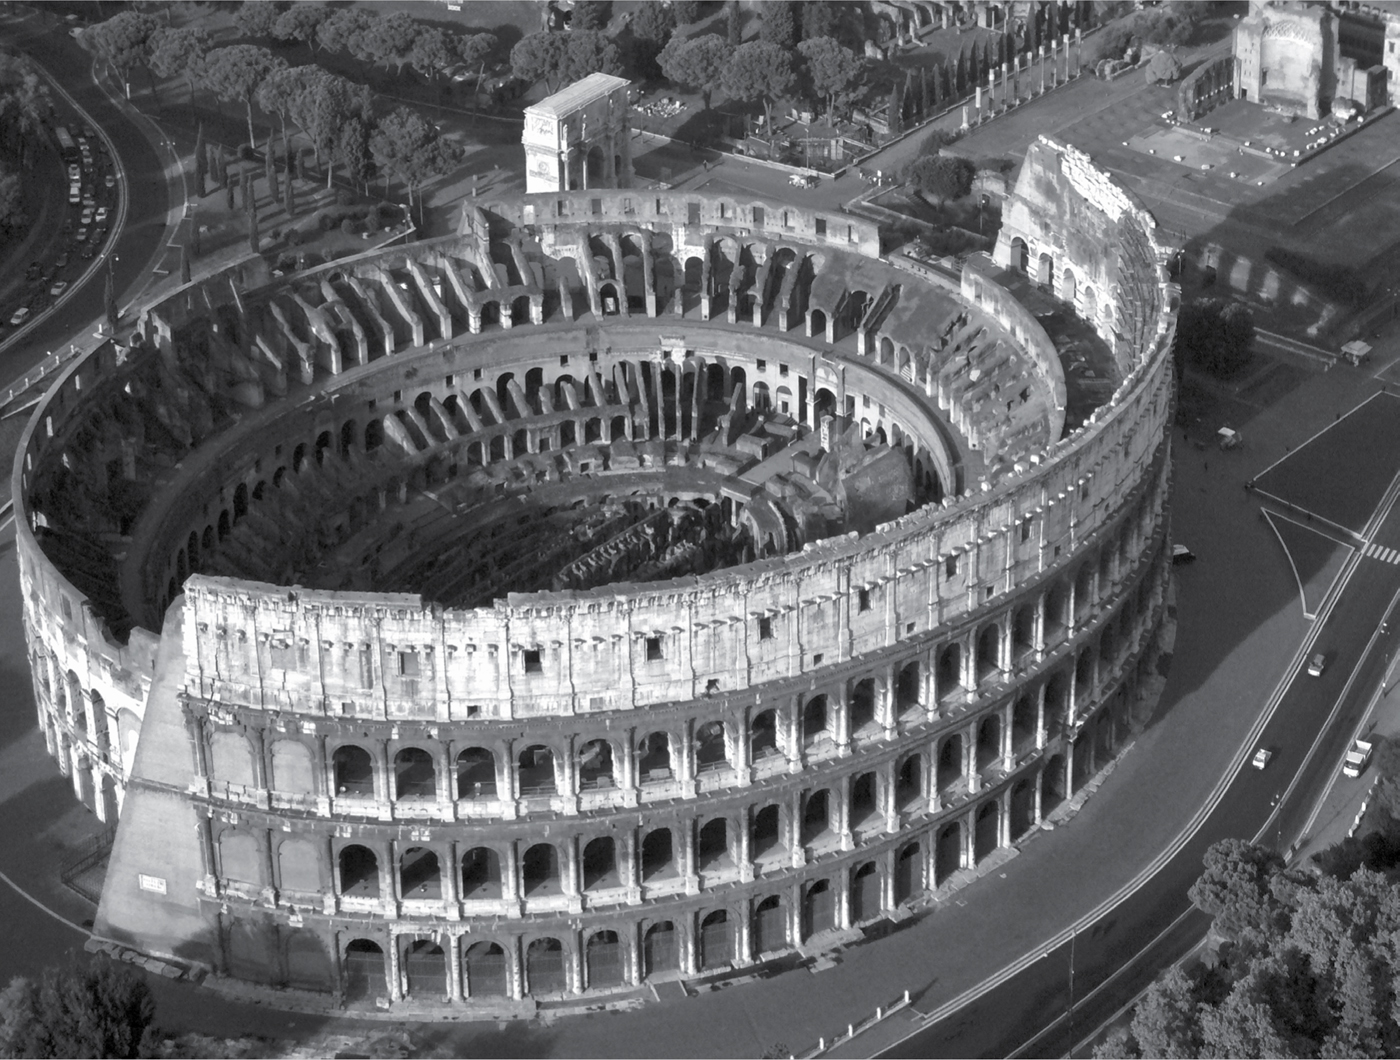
(1216, 335)
(348, 226)
(942, 176)
(389, 214)
(1114, 41)
(343, 197)
(935, 141)
(246, 153)
(293, 237)
(325, 222)
(372, 222)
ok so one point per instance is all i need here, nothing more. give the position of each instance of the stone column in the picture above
(452, 883)
(395, 976)
(843, 899)
(794, 911)
(510, 882)
(885, 712)
(684, 833)
(573, 964)
(743, 930)
(841, 716)
(1042, 70)
(840, 814)
(794, 823)
(627, 868)
(515, 969)
(454, 967)
(389, 880)
(739, 748)
(383, 780)
(632, 956)
(887, 865)
(507, 789)
(743, 846)
(626, 776)
(1008, 743)
(889, 796)
(974, 782)
(1004, 819)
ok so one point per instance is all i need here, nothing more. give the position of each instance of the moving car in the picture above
(1262, 757)
(1317, 664)
(1358, 758)
(1182, 554)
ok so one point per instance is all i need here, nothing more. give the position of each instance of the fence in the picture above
(77, 872)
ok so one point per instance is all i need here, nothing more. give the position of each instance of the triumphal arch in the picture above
(579, 137)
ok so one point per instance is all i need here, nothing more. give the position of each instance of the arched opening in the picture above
(1084, 593)
(950, 762)
(1057, 706)
(814, 722)
(419, 874)
(481, 875)
(544, 968)
(864, 807)
(907, 690)
(347, 438)
(909, 784)
(1020, 255)
(1045, 272)
(988, 742)
(539, 871)
(1023, 726)
(1023, 632)
(425, 969)
(988, 834)
(415, 776)
(595, 765)
(818, 909)
(595, 167)
(476, 774)
(484, 970)
(364, 970)
(715, 949)
(658, 858)
(660, 951)
(908, 873)
(537, 771)
(359, 872)
(323, 442)
(816, 817)
(765, 835)
(712, 846)
(1052, 784)
(1068, 286)
(819, 326)
(865, 892)
(1084, 671)
(374, 436)
(948, 854)
(770, 926)
(949, 673)
(710, 751)
(762, 397)
(988, 654)
(240, 501)
(763, 735)
(1022, 808)
(863, 708)
(600, 865)
(603, 960)
(654, 758)
(354, 771)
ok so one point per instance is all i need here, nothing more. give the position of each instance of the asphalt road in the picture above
(1040, 996)
(141, 240)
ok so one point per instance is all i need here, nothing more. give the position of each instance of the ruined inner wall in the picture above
(977, 646)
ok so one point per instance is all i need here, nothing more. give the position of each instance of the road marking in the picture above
(1385, 555)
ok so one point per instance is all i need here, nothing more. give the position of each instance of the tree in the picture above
(12, 215)
(432, 52)
(1165, 1022)
(685, 11)
(590, 15)
(833, 70)
(253, 237)
(270, 171)
(178, 52)
(696, 64)
(122, 39)
(343, 29)
(110, 298)
(257, 18)
(758, 71)
(734, 24)
(352, 151)
(406, 145)
(1163, 68)
(590, 52)
(201, 161)
(894, 114)
(652, 25)
(776, 24)
(820, 18)
(1216, 335)
(540, 57)
(475, 49)
(1234, 888)
(234, 73)
(300, 23)
(102, 1009)
(944, 177)
(388, 39)
(184, 264)
(281, 92)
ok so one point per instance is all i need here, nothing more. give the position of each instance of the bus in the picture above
(66, 146)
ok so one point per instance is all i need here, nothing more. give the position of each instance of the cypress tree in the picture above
(184, 264)
(270, 172)
(228, 189)
(253, 230)
(194, 239)
(111, 298)
(289, 197)
(895, 118)
(249, 202)
(735, 24)
(201, 161)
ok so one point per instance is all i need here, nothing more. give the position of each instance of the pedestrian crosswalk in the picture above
(1385, 555)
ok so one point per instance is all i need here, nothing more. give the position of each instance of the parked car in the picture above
(87, 215)
(101, 214)
(75, 194)
(110, 181)
(20, 316)
(74, 173)
(82, 234)
(100, 234)
(58, 288)
(62, 262)
(89, 251)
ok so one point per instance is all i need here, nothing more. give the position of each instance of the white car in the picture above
(101, 215)
(1261, 757)
(21, 315)
(81, 234)
(75, 194)
(74, 173)
(1317, 664)
(58, 288)
(110, 181)
(87, 215)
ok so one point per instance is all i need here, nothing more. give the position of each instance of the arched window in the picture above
(359, 872)
(476, 774)
(537, 771)
(415, 776)
(419, 874)
(481, 874)
(354, 771)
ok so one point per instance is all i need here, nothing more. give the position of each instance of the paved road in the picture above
(141, 240)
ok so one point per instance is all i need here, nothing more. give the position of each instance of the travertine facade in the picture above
(627, 588)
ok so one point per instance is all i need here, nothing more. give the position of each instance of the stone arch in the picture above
(711, 751)
(539, 871)
(769, 926)
(716, 940)
(425, 969)
(603, 960)
(230, 757)
(658, 855)
(950, 761)
(816, 816)
(909, 783)
(908, 688)
(949, 673)
(415, 774)
(865, 892)
(359, 871)
(1052, 784)
(545, 973)
(1069, 286)
(299, 866)
(654, 758)
(1022, 808)
(354, 771)
(476, 774)
(815, 721)
(864, 801)
(948, 853)
(485, 971)
(987, 831)
(599, 864)
(536, 765)
(989, 653)
(240, 859)
(595, 765)
(1045, 271)
(862, 706)
(660, 949)
(908, 872)
(481, 874)
(765, 832)
(763, 735)
(307, 962)
(363, 969)
(292, 769)
(712, 846)
(1020, 255)
(818, 908)
(988, 741)
(420, 875)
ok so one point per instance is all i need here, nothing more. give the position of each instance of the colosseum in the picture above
(624, 590)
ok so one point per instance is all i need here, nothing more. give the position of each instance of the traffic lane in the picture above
(146, 187)
(1039, 994)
